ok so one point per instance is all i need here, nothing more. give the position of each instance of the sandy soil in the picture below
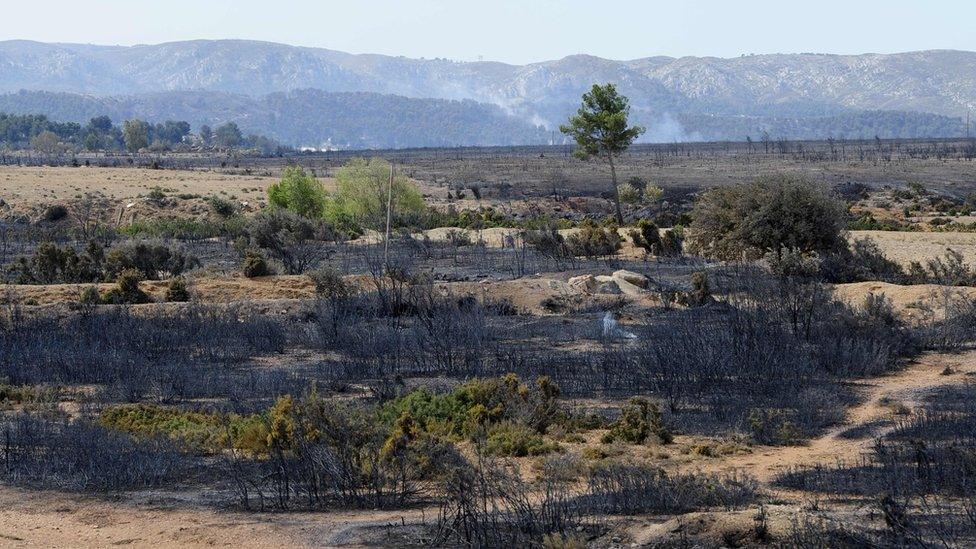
(919, 302)
(905, 247)
(50, 519)
(22, 185)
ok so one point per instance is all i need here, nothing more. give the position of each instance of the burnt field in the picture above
(187, 357)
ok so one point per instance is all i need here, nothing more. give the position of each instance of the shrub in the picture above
(221, 206)
(639, 420)
(193, 430)
(177, 291)
(127, 289)
(477, 405)
(89, 296)
(55, 213)
(254, 264)
(156, 195)
(52, 264)
(153, 260)
(647, 236)
(672, 242)
(509, 439)
(361, 199)
(593, 241)
(774, 214)
(298, 192)
(329, 284)
(700, 289)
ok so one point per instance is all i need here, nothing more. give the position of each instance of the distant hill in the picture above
(912, 94)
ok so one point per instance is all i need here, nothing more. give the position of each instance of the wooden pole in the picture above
(389, 214)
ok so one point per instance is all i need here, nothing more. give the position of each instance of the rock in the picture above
(627, 288)
(636, 279)
(584, 283)
(608, 287)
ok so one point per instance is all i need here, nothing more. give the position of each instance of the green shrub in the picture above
(127, 289)
(361, 199)
(471, 409)
(156, 195)
(647, 236)
(513, 440)
(298, 192)
(639, 420)
(89, 296)
(53, 264)
(329, 284)
(198, 431)
(153, 260)
(700, 289)
(593, 241)
(221, 206)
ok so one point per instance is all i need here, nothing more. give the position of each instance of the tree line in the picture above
(37, 132)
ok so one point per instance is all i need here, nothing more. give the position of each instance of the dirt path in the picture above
(904, 389)
(50, 519)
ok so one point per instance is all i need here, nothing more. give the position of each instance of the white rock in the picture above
(636, 279)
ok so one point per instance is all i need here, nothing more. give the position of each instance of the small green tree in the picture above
(299, 192)
(135, 133)
(600, 130)
(363, 192)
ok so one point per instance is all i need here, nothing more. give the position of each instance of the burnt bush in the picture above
(296, 241)
(114, 346)
(929, 453)
(633, 489)
(489, 505)
(81, 456)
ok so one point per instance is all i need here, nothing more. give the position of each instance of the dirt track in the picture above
(906, 387)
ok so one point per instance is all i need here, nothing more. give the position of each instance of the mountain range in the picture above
(308, 96)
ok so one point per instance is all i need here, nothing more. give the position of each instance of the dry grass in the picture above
(905, 247)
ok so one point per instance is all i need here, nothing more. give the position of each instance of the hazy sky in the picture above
(515, 31)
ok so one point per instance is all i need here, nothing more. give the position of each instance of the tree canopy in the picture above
(600, 129)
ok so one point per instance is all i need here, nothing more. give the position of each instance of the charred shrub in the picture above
(82, 456)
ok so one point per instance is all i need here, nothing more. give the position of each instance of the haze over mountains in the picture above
(309, 96)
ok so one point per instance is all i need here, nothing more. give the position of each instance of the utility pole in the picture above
(389, 214)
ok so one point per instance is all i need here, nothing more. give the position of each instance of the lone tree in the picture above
(600, 130)
(774, 214)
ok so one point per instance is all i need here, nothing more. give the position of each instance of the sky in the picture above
(512, 31)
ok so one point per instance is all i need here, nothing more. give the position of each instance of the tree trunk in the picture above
(616, 190)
